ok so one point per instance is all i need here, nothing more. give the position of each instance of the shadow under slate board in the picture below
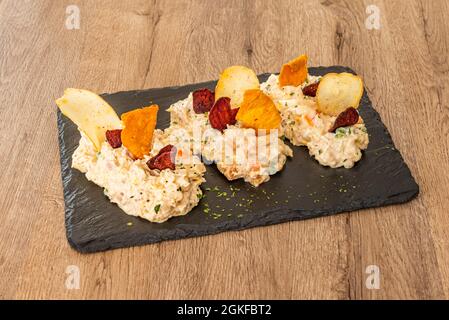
(303, 189)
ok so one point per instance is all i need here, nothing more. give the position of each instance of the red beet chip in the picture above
(221, 115)
(167, 148)
(203, 100)
(114, 138)
(348, 117)
(165, 159)
(311, 89)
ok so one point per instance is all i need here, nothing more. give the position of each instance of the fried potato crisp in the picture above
(294, 72)
(90, 113)
(233, 83)
(337, 92)
(137, 136)
(258, 111)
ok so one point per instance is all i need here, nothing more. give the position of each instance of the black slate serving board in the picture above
(304, 189)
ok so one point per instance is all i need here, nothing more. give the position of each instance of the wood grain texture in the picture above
(132, 44)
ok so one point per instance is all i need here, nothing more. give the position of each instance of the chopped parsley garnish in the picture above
(157, 208)
(341, 132)
(200, 196)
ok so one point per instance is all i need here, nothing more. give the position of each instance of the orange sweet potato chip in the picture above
(294, 72)
(258, 111)
(137, 135)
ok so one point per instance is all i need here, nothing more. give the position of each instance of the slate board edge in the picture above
(244, 223)
(65, 177)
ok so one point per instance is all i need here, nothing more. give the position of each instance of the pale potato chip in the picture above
(258, 111)
(337, 92)
(294, 73)
(233, 83)
(137, 135)
(90, 113)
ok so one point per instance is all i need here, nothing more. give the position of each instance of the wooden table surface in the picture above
(133, 44)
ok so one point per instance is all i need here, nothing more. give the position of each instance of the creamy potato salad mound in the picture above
(250, 157)
(304, 125)
(238, 152)
(150, 194)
